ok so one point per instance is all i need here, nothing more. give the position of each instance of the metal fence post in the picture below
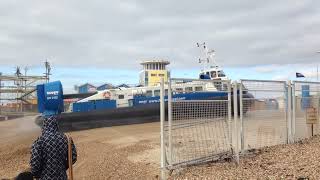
(318, 103)
(241, 115)
(235, 111)
(170, 121)
(230, 113)
(289, 112)
(162, 118)
(293, 122)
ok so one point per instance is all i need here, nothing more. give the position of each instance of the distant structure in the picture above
(152, 72)
(18, 90)
(150, 75)
(105, 86)
(87, 88)
(123, 86)
(90, 88)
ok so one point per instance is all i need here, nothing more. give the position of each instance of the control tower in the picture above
(152, 72)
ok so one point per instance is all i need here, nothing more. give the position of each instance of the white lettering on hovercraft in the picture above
(158, 100)
(52, 95)
(52, 92)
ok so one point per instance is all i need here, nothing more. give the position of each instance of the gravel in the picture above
(105, 153)
(293, 161)
(132, 152)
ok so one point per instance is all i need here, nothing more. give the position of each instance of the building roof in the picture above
(106, 84)
(155, 61)
(87, 84)
(123, 85)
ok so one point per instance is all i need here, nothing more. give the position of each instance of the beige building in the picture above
(152, 72)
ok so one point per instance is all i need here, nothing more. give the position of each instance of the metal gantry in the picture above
(20, 89)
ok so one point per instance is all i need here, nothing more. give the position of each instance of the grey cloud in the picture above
(119, 34)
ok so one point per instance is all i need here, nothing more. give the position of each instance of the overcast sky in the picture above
(265, 36)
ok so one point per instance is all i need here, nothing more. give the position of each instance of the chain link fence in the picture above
(305, 100)
(263, 115)
(208, 120)
(198, 126)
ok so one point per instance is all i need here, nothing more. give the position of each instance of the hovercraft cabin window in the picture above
(198, 88)
(213, 74)
(179, 90)
(189, 89)
(156, 92)
(149, 93)
(221, 74)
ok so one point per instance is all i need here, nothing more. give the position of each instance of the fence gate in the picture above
(199, 118)
(305, 104)
(263, 113)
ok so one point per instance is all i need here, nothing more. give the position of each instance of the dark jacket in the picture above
(49, 153)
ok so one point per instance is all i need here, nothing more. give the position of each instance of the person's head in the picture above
(50, 124)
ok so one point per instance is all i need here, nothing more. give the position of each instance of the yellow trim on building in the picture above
(154, 76)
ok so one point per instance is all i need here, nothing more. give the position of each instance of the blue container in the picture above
(83, 106)
(41, 98)
(50, 98)
(76, 107)
(105, 104)
(305, 101)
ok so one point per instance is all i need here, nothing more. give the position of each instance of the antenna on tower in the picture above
(207, 55)
(18, 71)
(48, 70)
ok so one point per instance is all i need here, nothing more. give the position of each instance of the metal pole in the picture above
(0, 94)
(241, 116)
(48, 69)
(170, 120)
(230, 113)
(317, 72)
(25, 81)
(318, 69)
(293, 129)
(235, 111)
(318, 101)
(289, 114)
(162, 118)
(17, 108)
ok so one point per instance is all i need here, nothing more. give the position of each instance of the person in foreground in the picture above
(49, 153)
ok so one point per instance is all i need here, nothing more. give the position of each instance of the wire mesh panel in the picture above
(263, 113)
(306, 102)
(200, 121)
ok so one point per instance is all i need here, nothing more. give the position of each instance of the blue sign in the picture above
(50, 98)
